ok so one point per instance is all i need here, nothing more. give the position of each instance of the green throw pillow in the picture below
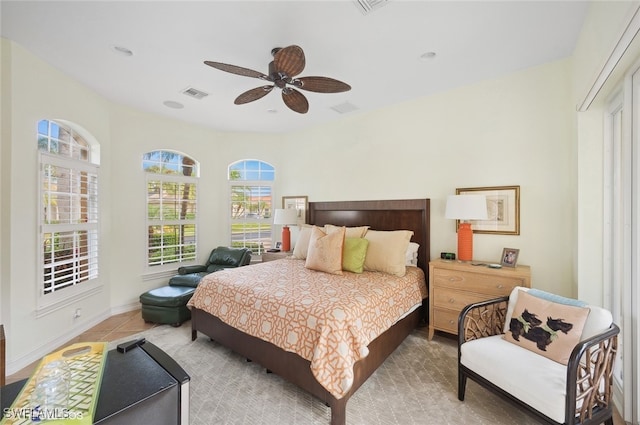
(353, 253)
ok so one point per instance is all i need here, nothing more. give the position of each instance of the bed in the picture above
(389, 215)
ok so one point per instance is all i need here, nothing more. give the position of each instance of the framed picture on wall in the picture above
(503, 209)
(299, 203)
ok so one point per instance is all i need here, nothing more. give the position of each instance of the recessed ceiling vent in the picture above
(368, 6)
(345, 108)
(195, 93)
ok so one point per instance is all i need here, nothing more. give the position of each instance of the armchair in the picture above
(579, 392)
(220, 258)
(168, 304)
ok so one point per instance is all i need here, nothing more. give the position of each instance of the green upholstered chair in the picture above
(168, 304)
(220, 258)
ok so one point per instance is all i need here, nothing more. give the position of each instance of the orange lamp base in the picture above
(286, 239)
(465, 242)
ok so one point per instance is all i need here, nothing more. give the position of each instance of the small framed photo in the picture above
(279, 245)
(509, 257)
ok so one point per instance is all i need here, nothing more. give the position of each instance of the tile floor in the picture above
(111, 329)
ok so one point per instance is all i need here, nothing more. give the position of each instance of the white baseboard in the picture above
(41, 351)
(125, 308)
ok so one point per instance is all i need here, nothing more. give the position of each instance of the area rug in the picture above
(417, 384)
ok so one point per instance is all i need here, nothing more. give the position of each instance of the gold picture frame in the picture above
(300, 203)
(503, 209)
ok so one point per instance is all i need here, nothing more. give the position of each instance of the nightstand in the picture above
(453, 285)
(270, 256)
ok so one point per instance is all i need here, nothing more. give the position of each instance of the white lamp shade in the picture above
(466, 207)
(285, 216)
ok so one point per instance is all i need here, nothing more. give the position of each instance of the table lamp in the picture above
(465, 208)
(286, 217)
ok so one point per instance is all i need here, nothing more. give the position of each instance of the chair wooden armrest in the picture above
(590, 378)
(482, 319)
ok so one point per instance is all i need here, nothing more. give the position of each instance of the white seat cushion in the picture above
(510, 367)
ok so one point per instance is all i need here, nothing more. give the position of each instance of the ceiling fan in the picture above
(287, 63)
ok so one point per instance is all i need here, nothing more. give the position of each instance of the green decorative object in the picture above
(64, 388)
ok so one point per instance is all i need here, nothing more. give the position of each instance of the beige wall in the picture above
(35, 91)
(137, 133)
(516, 130)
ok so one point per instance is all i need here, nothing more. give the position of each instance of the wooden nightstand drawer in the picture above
(446, 320)
(476, 282)
(455, 300)
(454, 285)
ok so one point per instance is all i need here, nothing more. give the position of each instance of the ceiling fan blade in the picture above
(295, 100)
(321, 84)
(246, 72)
(253, 94)
(289, 60)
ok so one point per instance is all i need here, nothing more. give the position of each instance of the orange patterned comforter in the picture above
(326, 319)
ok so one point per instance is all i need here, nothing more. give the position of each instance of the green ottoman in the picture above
(167, 305)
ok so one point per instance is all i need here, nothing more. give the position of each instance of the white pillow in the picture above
(411, 256)
(301, 248)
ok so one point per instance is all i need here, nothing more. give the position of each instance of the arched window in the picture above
(171, 207)
(251, 204)
(68, 205)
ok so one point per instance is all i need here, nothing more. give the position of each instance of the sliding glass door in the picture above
(621, 236)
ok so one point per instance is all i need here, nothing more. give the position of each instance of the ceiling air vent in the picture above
(368, 6)
(195, 93)
(345, 107)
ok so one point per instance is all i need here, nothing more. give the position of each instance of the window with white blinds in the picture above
(68, 208)
(171, 207)
(251, 188)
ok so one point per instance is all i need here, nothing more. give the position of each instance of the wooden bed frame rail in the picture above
(294, 368)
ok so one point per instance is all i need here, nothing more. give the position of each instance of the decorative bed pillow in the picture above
(545, 327)
(325, 251)
(351, 232)
(302, 244)
(556, 298)
(411, 256)
(387, 251)
(354, 252)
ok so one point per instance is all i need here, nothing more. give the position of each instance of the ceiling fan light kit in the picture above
(287, 63)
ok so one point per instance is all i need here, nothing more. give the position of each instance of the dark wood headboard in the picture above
(401, 214)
